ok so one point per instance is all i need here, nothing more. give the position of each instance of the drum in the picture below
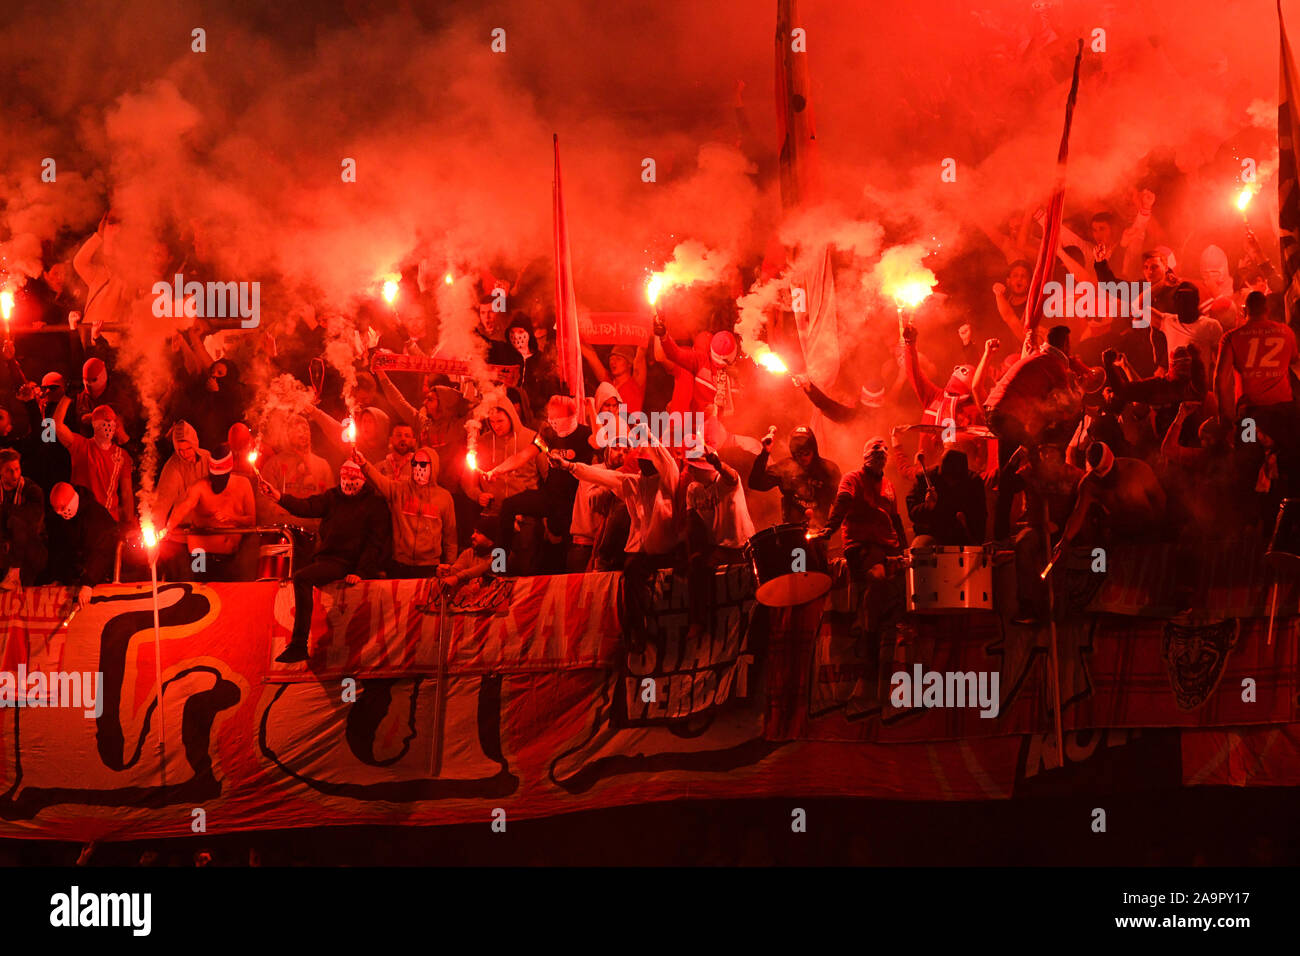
(947, 580)
(275, 562)
(1284, 546)
(775, 553)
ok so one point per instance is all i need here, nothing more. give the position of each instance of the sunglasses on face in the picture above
(422, 464)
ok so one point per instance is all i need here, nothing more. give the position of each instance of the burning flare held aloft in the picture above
(692, 262)
(7, 305)
(903, 277)
(1244, 197)
(769, 360)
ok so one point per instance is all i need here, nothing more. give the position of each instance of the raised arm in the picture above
(597, 366)
(405, 409)
(66, 436)
(1224, 386)
(977, 381)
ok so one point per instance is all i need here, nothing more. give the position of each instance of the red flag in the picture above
(567, 350)
(800, 169)
(1052, 221)
(1288, 179)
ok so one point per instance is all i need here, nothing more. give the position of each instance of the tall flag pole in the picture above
(800, 165)
(1288, 178)
(1052, 221)
(568, 351)
(816, 327)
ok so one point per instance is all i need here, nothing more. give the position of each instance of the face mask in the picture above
(564, 427)
(520, 341)
(105, 430)
(351, 481)
(421, 470)
(70, 511)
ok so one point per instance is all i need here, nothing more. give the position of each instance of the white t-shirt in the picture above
(1203, 333)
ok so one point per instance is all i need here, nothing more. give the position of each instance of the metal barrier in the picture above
(284, 530)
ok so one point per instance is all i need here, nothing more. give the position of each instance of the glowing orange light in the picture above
(911, 292)
(1244, 197)
(653, 287)
(471, 461)
(7, 303)
(252, 457)
(390, 291)
(771, 361)
(349, 432)
(448, 278)
(150, 536)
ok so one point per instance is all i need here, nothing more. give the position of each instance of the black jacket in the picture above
(964, 496)
(83, 549)
(356, 530)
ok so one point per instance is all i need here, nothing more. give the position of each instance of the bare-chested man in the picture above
(221, 500)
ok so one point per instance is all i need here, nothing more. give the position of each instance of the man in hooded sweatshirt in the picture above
(503, 437)
(372, 428)
(356, 536)
(424, 519)
(947, 504)
(808, 482)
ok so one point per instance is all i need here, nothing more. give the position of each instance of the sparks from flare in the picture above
(7, 305)
(653, 287)
(1244, 197)
(390, 291)
(349, 432)
(471, 461)
(149, 535)
(448, 278)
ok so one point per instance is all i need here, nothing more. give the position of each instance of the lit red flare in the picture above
(765, 357)
(1244, 197)
(912, 292)
(149, 535)
(471, 461)
(653, 287)
(390, 291)
(6, 304)
(349, 432)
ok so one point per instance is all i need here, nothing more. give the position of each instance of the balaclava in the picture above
(220, 467)
(65, 501)
(351, 478)
(104, 420)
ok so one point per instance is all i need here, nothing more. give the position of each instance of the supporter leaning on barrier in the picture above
(356, 538)
(83, 540)
(221, 500)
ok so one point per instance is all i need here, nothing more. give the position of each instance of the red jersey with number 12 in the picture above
(1262, 352)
